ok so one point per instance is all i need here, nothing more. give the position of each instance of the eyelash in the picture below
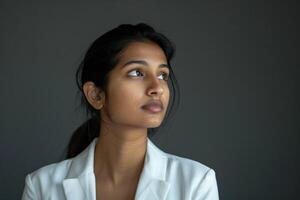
(166, 75)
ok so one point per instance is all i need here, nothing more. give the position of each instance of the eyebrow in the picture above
(143, 63)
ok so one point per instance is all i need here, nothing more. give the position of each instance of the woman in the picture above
(124, 79)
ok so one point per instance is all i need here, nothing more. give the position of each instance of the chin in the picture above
(153, 124)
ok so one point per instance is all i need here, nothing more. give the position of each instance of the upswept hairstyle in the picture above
(101, 57)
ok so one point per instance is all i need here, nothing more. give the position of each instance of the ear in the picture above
(94, 95)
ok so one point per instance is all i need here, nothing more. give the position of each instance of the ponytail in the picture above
(83, 136)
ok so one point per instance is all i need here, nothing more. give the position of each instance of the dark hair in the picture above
(101, 57)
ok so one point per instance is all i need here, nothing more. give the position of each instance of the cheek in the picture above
(124, 98)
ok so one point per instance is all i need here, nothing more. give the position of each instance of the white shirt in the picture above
(164, 177)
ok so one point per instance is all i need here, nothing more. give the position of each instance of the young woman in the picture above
(126, 81)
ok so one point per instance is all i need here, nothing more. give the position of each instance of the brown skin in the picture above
(121, 147)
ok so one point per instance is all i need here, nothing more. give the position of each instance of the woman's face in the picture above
(140, 76)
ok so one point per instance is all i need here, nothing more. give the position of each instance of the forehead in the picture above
(142, 50)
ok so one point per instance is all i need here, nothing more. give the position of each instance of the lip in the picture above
(153, 106)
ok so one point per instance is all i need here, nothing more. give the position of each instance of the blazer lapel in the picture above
(152, 184)
(81, 188)
(79, 183)
(73, 189)
(155, 190)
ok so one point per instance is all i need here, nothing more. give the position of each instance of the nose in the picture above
(155, 87)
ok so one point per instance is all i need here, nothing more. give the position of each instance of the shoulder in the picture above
(177, 164)
(187, 163)
(188, 167)
(54, 171)
(47, 180)
(197, 179)
(44, 179)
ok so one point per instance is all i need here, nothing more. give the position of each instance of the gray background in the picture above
(236, 62)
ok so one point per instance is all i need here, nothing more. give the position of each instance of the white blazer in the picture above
(164, 177)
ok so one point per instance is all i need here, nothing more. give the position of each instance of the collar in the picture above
(80, 181)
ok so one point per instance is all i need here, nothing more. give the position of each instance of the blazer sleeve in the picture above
(207, 188)
(29, 192)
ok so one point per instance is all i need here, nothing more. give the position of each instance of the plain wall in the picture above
(237, 63)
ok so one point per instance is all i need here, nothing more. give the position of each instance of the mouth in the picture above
(153, 107)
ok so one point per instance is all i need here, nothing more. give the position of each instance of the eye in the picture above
(165, 76)
(135, 70)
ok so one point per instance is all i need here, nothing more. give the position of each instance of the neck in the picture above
(120, 153)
